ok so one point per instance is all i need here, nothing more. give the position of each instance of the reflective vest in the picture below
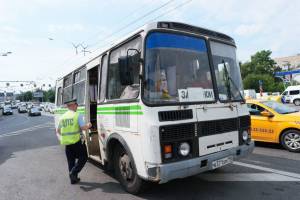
(69, 128)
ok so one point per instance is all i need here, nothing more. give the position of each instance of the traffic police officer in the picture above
(69, 131)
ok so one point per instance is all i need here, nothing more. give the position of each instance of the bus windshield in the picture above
(224, 58)
(176, 69)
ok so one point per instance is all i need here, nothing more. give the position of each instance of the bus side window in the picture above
(115, 89)
(59, 97)
(79, 86)
(103, 78)
(67, 90)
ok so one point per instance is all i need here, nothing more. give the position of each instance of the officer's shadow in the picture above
(109, 187)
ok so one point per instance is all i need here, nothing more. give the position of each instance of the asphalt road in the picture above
(33, 167)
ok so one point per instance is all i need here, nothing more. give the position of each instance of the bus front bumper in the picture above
(165, 172)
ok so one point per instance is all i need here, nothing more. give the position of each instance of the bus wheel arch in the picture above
(113, 141)
(121, 160)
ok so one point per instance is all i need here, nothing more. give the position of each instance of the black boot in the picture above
(74, 178)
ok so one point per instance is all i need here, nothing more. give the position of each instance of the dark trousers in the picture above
(73, 152)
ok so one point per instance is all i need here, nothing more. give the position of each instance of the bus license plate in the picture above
(222, 162)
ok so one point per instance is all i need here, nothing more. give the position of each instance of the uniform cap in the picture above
(71, 101)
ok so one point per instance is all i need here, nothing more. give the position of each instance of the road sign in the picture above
(38, 94)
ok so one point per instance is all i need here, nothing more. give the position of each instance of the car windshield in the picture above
(224, 58)
(34, 109)
(176, 69)
(278, 107)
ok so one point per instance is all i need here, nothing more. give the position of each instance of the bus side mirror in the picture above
(266, 114)
(124, 71)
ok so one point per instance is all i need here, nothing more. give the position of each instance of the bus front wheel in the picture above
(126, 173)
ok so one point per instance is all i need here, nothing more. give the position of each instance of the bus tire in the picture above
(290, 140)
(126, 173)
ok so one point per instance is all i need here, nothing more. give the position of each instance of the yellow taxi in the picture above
(275, 122)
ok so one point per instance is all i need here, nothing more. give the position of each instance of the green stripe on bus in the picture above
(132, 107)
(120, 113)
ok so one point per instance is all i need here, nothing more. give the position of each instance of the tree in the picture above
(25, 96)
(269, 85)
(261, 67)
(49, 95)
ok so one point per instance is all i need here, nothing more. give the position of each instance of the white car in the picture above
(7, 110)
(290, 93)
(295, 100)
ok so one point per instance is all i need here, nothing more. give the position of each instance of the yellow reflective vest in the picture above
(69, 128)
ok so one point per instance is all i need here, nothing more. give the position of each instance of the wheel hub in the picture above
(126, 168)
(292, 140)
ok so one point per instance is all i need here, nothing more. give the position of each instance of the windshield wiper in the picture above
(228, 79)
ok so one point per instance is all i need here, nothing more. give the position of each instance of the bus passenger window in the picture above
(115, 89)
(79, 85)
(58, 98)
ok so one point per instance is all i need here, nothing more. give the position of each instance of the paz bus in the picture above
(165, 102)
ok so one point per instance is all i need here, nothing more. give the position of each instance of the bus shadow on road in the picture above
(107, 187)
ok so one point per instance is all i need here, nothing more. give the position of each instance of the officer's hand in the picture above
(89, 125)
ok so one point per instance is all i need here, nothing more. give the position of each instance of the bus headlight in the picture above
(184, 149)
(245, 135)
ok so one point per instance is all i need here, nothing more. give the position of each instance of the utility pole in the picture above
(84, 49)
(76, 47)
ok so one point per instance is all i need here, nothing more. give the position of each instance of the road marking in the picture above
(244, 177)
(271, 175)
(266, 169)
(26, 130)
(21, 123)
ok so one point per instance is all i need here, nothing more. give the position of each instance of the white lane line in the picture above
(266, 169)
(26, 130)
(244, 177)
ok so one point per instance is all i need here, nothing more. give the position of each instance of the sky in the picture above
(41, 33)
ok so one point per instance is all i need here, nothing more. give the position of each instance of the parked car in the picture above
(7, 110)
(276, 123)
(34, 111)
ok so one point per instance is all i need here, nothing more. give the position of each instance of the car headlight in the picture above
(245, 135)
(184, 149)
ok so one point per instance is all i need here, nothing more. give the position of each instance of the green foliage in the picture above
(261, 67)
(269, 85)
(25, 96)
(49, 96)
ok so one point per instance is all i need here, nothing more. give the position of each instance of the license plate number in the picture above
(222, 162)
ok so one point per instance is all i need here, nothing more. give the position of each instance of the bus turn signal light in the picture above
(168, 151)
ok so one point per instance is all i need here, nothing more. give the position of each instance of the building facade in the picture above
(289, 62)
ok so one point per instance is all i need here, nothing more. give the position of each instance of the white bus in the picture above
(165, 103)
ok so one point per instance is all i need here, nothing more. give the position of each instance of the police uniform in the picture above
(70, 137)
